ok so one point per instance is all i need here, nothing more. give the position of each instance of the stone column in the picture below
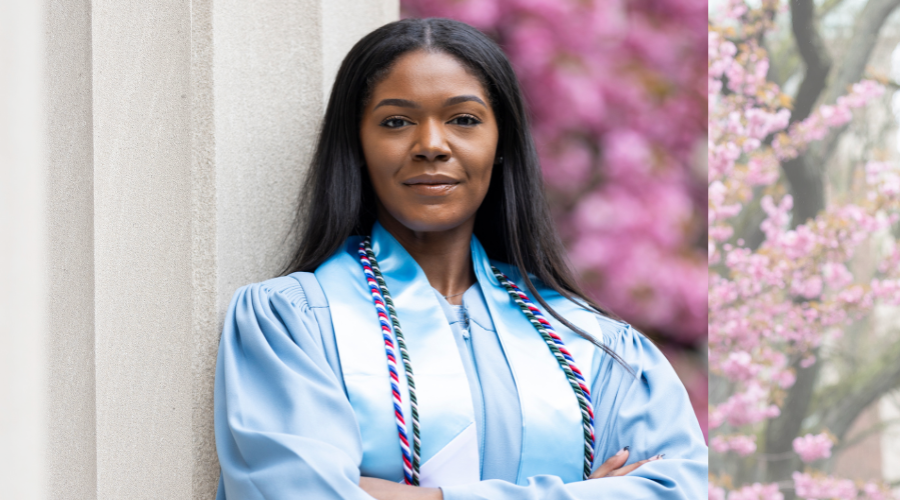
(141, 62)
(177, 136)
(70, 211)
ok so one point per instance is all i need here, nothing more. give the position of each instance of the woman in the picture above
(429, 341)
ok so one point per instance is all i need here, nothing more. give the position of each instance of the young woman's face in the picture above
(429, 138)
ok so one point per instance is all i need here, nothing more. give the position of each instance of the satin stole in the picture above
(552, 434)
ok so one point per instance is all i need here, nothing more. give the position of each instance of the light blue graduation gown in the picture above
(285, 427)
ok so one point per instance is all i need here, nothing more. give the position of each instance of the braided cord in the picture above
(565, 360)
(367, 256)
(387, 317)
(409, 475)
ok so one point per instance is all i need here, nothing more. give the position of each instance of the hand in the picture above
(613, 466)
(389, 490)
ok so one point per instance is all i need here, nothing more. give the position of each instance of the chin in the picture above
(431, 226)
(422, 221)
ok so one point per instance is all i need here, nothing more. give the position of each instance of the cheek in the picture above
(480, 161)
(481, 178)
(383, 159)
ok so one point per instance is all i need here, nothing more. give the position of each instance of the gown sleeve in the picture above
(648, 411)
(284, 426)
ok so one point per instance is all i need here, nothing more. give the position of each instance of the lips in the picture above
(431, 179)
(431, 184)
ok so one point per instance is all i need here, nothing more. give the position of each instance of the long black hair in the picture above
(513, 223)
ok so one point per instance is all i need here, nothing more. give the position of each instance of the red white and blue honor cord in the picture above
(387, 317)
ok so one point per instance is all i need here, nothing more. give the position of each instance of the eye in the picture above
(466, 120)
(395, 122)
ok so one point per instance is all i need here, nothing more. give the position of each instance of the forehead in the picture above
(424, 76)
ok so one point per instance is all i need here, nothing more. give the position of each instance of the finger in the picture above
(630, 468)
(611, 464)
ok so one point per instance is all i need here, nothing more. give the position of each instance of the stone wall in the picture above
(170, 139)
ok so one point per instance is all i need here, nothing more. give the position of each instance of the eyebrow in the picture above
(405, 103)
(463, 98)
(401, 103)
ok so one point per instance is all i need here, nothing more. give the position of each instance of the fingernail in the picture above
(657, 457)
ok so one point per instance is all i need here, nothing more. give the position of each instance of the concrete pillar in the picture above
(23, 253)
(70, 211)
(343, 24)
(142, 247)
(177, 136)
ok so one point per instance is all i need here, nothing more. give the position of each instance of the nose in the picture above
(431, 143)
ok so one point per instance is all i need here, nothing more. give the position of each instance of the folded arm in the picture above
(649, 412)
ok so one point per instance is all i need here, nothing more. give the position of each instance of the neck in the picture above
(445, 256)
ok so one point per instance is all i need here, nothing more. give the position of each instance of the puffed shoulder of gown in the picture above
(285, 427)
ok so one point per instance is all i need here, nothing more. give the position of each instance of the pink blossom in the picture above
(762, 170)
(809, 288)
(807, 361)
(782, 299)
(740, 366)
(874, 491)
(627, 154)
(888, 289)
(757, 491)
(573, 162)
(716, 493)
(884, 177)
(813, 447)
(784, 378)
(761, 123)
(852, 295)
(823, 487)
(478, 13)
(742, 445)
(748, 407)
(836, 275)
(778, 216)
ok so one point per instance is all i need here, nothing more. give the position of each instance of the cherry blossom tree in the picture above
(780, 287)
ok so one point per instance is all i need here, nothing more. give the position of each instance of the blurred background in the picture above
(616, 91)
(804, 296)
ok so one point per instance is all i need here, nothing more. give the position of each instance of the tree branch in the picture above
(858, 438)
(839, 419)
(852, 67)
(809, 198)
(805, 175)
(781, 431)
(828, 6)
(859, 49)
(815, 57)
(807, 186)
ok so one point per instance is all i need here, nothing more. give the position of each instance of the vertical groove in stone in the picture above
(72, 457)
(204, 318)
